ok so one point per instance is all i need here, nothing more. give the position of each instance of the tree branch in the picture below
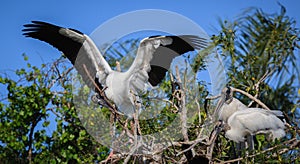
(251, 97)
(259, 153)
(263, 78)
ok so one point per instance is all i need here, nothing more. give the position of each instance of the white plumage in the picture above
(153, 59)
(227, 105)
(229, 108)
(253, 121)
(241, 121)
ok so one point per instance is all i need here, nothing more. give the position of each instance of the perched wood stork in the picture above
(254, 121)
(240, 121)
(153, 59)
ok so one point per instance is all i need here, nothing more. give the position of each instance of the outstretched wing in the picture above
(155, 55)
(164, 54)
(76, 46)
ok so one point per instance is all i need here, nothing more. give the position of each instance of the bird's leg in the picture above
(250, 146)
(100, 94)
(96, 99)
(137, 104)
(240, 147)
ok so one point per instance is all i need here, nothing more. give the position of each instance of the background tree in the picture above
(28, 107)
(40, 123)
(261, 54)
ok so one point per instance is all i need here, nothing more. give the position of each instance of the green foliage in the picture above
(257, 45)
(259, 50)
(25, 121)
(27, 107)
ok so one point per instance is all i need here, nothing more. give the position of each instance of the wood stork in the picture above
(240, 121)
(254, 121)
(153, 59)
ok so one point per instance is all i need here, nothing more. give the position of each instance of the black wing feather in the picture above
(70, 45)
(51, 34)
(163, 56)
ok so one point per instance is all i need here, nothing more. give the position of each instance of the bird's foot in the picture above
(96, 98)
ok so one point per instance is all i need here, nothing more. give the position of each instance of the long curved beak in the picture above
(219, 106)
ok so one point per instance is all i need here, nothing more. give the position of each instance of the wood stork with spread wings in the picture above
(241, 121)
(153, 59)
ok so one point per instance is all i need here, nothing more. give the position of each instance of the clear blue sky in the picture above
(87, 15)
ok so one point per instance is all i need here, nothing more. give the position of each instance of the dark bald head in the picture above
(228, 94)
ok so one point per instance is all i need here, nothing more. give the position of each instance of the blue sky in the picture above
(88, 15)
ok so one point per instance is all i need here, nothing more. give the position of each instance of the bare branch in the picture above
(263, 78)
(193, 144)
(259, 153)
(251, 97)
(199, 111)
(167, 101)
(213, 97)
(183, 113)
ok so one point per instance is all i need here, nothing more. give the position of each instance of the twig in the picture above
(256, 154)
(165, 100)
(213, 97)
(90, 77)
(199, 111)
(206, 106)
(60, 75)
(211, 142)
(131, 152)
(127, 130)
(251, 97)
(179, 144)
(113, 159)
(292, 146)
(193, 144)
(263, 78)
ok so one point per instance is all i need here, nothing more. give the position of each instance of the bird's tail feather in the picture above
(278, 113)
